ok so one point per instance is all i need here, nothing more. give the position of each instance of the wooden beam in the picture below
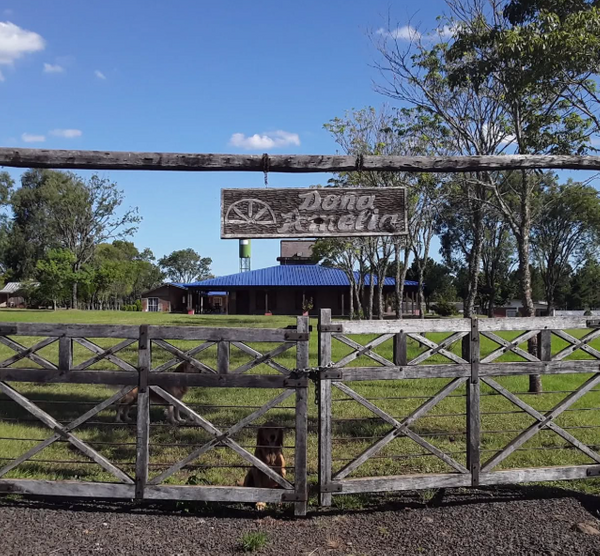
(285, 163)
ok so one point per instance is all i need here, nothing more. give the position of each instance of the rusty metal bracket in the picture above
(331, 488)
(293, 496)
(339, 328)
(296, 382)
(593, 323)
(296, 336)
(332, 374)
(593, 471)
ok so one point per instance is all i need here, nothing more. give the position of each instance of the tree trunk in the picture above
(351, 300)
(380, 307)
(371, 294)
(74, 296)
(535, 381)
(474, 258)
(420, 293)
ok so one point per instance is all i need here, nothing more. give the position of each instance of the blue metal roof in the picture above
(286, 275)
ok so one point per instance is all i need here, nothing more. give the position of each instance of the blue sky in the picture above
(190, 76)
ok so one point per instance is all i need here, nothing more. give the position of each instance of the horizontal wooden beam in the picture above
(286, 163)
(66, 488)
(165, 380)
(401, 482)
(513, 476)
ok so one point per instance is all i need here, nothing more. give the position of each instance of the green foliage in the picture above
(55, 276)
(585, 292)
(253, 541)
(444, 308)
(185, 266)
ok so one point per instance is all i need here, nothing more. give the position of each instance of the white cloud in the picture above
(404, 33)
(66, 133)
(99, 74)
(53, 68)
(268, 140)
(30, 138)
(16, 42)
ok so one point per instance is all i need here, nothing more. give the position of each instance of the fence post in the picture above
(473, 408)
(545, 345)
(223, 357)
(65, 353)
(400, 355)
(143, 413)
(301, 444)
(324, 387)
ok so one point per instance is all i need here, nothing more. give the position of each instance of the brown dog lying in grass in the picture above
(269, 450)
(125, 404)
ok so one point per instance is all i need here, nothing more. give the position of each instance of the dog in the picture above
(171, 413)
(269, 450)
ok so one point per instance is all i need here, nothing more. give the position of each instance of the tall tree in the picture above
(568, 233)
(185, 266)
(55, 276)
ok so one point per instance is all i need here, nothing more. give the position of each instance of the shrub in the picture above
(444, 308)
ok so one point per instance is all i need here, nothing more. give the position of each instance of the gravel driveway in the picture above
(511, 522)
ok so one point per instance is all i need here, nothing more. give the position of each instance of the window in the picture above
(153, 304)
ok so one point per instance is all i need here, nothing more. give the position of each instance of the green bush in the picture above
(444, 308)
(254, 541)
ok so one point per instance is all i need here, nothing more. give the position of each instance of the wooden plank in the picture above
(219, 334)
(545, 345)
(435, 348)
(223, 357)
(507, 346)
(325, 411)
(400, 427)
(360, 350)
(65, 353)
(350, 374)
(143, 414)
(66, 488)
(441, 349)
(209, 427)
(301, 212)
(183, 356)
(301, 425)
(107, 354)
(262, 358)
(404, 482)
(72, 330)
(515, 476)
(400, 349)
(175, 361)
(123, 378)
(15, 157)
(29, 353)
(541, 417)
(473, 407)
(50, 422)
(536, 427)
(215, 494)
(195, 454)
(405, 325)
(577, 343)
(532, 323)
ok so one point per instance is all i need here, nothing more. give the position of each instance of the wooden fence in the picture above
(444, 358)
(469, 371)
(149, 377)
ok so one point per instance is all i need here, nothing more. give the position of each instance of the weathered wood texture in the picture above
(286, 163)
(301, 441)
(324, 396)
(292, 212)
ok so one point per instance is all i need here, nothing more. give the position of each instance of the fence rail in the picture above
(151, 378)
(463, 409)
(468, 371)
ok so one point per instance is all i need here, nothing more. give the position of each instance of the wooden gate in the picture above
(476, 385)
(152, 375)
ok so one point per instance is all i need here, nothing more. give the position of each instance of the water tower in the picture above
(244, 255)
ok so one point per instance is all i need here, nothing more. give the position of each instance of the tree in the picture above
(60, 210)
(585, 293)
(567, 235)
(185, 266)
(55, 276)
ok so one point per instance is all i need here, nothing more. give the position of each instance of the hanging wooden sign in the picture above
(318, 212)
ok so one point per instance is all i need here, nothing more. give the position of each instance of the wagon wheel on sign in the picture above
(250, 211)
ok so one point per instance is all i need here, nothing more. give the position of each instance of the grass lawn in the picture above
(354, 427)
